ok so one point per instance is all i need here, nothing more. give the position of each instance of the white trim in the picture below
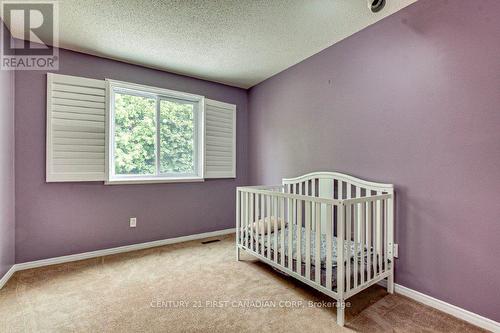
(448, 308)
(154, 180)
(155, 90)
(110, 251)
(8, 275)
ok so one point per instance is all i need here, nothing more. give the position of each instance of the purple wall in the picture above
(65, 218)
(413, 100)
(6, 171)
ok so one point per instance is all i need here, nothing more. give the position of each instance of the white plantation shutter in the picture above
(220, 139)
(76, 109)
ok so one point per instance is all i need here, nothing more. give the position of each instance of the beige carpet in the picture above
(175, 288)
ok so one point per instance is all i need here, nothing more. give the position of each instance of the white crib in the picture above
(299, 226)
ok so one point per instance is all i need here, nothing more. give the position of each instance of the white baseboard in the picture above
(7, 276)
(106, 252)
(448, 308)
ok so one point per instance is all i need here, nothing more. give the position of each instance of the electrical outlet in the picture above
(133, 222)
(396, 250)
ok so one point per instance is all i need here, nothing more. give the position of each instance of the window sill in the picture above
(153, 180)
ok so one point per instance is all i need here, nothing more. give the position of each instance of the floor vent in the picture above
(210, 241)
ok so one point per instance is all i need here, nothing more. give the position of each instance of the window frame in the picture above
(158, 94)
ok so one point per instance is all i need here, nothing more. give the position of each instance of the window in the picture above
(122, 133)
(155, 135)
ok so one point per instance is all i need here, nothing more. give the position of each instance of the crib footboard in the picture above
(338, 245)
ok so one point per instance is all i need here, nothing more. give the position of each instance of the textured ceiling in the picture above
(240, 43)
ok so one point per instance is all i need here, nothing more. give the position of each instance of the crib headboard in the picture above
(334, 185)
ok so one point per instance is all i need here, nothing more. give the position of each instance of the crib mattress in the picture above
(264, 240)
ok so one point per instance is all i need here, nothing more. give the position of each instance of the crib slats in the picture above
(250, 207)
(313, 190)
(364, 254)
(282, 239)
(360, 250)
(243, 221)
(275, 231)
(317, 243)
(329, 235)
(242, 218)
(356, 244)
(299, 237)
(286, 218)
(264, 228)
(308, 239)
(291, 223)
(374, 237)
(263, 216)
(246, 218)
(390, 231)
(348, 250)
(358, 221)
(256, 221)
(340, 250)
(369, 239)
(385, 236)
(379, 234)
(238, 220)
(269, 212)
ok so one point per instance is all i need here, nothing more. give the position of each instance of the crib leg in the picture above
(340, 313)
(237, 253)
(390, 283)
